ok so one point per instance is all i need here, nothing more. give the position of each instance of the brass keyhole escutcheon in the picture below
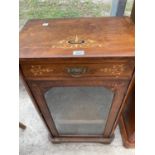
(76, 41)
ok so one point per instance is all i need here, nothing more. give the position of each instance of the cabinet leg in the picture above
(22, 126)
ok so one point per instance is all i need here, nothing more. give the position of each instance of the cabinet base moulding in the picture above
(57, 140)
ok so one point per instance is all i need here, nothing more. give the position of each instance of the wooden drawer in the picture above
(50, 70)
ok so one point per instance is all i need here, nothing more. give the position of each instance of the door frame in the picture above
(119, 87)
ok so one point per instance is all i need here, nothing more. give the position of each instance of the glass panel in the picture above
(79, 110)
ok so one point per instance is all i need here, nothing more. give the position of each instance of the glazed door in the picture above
(79, 108)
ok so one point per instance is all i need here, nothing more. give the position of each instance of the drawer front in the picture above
(50, 70)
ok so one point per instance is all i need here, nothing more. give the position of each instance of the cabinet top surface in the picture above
(81, 37)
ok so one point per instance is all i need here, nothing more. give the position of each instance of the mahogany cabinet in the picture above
(77, 72)
(127, 119)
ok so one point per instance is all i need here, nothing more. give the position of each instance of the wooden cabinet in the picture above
(77, 72)
(127, 119)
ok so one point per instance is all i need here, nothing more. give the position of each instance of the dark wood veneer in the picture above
(47, 60)
(127, 119)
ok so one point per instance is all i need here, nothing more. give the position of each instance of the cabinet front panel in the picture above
(79, 110)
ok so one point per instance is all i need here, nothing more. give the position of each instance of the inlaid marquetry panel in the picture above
(69, 70)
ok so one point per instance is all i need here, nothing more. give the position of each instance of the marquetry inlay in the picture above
(39, 70)
(114, 69)
(87, 43)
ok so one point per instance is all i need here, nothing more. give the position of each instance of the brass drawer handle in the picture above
(76, 71)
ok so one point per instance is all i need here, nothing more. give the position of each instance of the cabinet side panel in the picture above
(30, 93)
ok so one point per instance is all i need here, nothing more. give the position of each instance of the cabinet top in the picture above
(79, 37)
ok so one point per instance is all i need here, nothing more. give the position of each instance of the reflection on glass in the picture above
(79, 110)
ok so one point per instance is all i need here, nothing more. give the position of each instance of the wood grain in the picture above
(109, 69)
(104, 37)
(127, 120)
